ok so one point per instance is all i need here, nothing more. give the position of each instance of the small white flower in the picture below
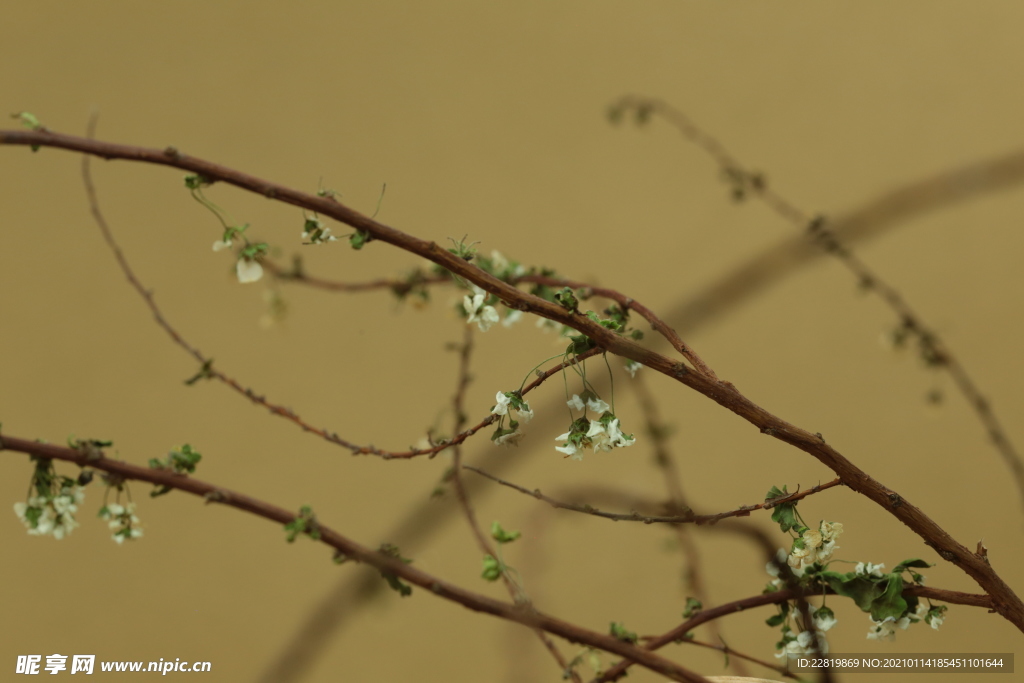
(524, 415)
(575, 402)
(499, 262)
(511, 318)
(510, 439)
(812, 538)
(248, 271)
(616, 436)
(800, 556)
(824, 618)
(545, 325)
(598, 406)
(826, 550)
(830, 530)
(483, 316)
(936, 621)
(569, 448)
(773, 566)
(221, 244)
(632, 366)
(868, 569)
(803, 645)
(501, 408)
(886, 629)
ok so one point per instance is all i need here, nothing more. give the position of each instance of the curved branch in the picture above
(354, 551)
(784, 595)
(743, 511)
(933, 349)
(1005, 601)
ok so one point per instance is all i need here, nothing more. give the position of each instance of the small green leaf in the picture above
(492, 568)
(619, 631)
(905, 564)
(502, 536)
(693, 605)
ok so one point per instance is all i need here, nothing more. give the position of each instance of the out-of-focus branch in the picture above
(933, 350)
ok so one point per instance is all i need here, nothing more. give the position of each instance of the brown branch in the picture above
(514, 590)
(627, 303)
(743, 511)
(1005, 601)
(658, 431)
(208, 371)
(749, 279)
(678, 633)
(725, 649)
(350, 549)
(933, 350)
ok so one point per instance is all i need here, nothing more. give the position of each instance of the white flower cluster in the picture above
(45, 515)
(803, 644)
(477, 312)
(122, 520)
(814, 545)
(316, 232)
(602, 434)
(886, 629)
(247, 270)
(509, 403)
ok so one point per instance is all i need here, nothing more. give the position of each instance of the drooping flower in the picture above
(824, 618)
(476, 311)
(248, 270)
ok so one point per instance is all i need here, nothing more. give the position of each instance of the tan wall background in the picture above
(487, 119)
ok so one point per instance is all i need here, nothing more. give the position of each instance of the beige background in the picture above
(487, 119)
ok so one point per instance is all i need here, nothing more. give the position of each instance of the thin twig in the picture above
(743, 511)
(933, 350)
(209, 371)
(514, 590)
(658, 432)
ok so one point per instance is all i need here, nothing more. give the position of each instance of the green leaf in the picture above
(358, 239)
(619, 631)
(784, 514)
(891, 602)
(902, 566)
(860, 589)
(693, 605)
(502, 536)
(492, 568)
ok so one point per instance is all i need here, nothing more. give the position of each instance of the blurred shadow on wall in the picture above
(739, 286)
